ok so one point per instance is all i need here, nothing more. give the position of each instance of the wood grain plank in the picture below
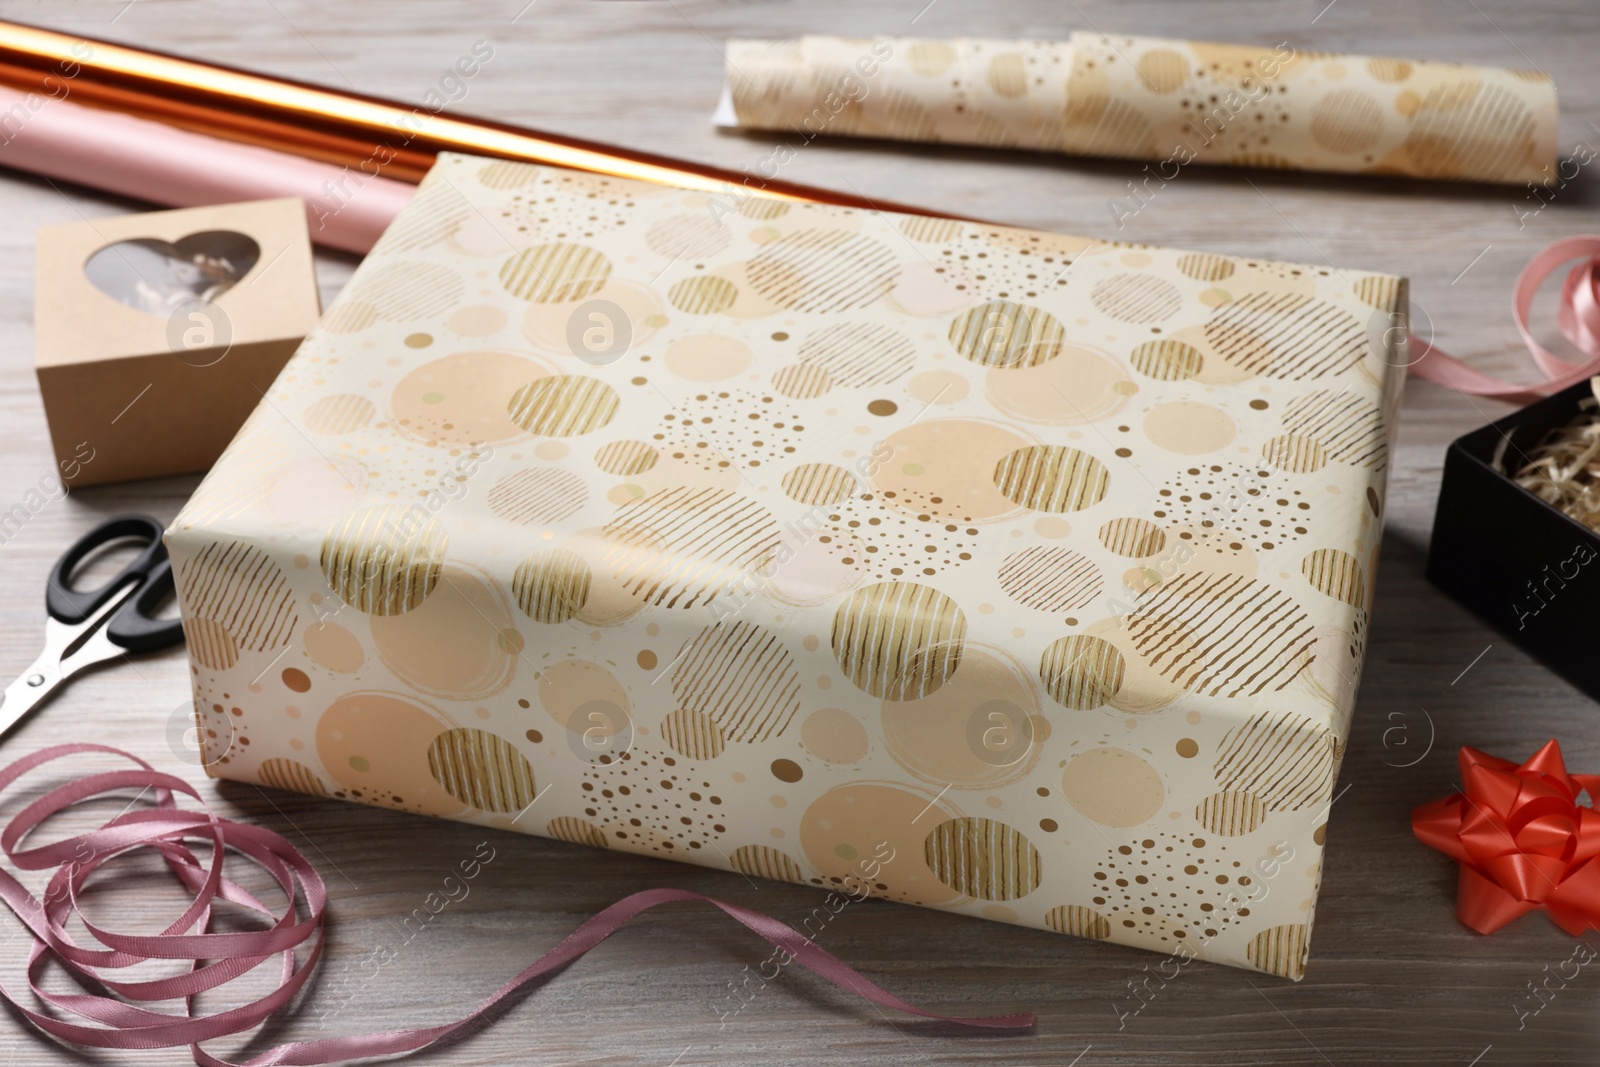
(1393, 977)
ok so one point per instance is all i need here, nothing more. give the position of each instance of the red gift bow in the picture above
(1523, 841)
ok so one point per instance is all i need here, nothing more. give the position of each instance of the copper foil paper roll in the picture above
(1175, 102)
(370, 135)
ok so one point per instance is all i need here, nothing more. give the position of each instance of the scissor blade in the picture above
(68, 648)
(30, 688)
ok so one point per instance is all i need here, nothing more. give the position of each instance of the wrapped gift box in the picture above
(1008, 573)
(1527, 572)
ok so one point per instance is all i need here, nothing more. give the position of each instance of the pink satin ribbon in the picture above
(1578, 318)
(111, 1008)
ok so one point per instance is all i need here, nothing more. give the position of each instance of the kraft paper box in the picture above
(1013, 574)
(157, 334)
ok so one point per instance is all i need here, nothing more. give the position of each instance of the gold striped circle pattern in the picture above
(576, 831)
(1239, 636)
(801, 381)
(1163, 70)
(928, 228)
(760, 861)
(858, 353)
(1286, 760)
(626, 458)
(1137, 298)
(1391, 71)
(482, 769)
(1082, 672)
(1382, 291)
(1206, 267)
(1281, 950)
(1336, 574)
(291, 776)
(693, 734)
(507, 174)
(1261, 161)
(537, 496)
(704, 294)
(930, 58)
(407, 291)
(384, 560)
(551, 586)
(348, 316)
(1052, 478)
(1346, 121)
(718, 539)
(756, 207)
(1295, 453)
(238, 588)
(688, 237)
(741, 676)
(1075, 920)
(555, 273)
(1488, 135)
(902, 112)
(210, 643)
(819, 483)
(982, 858)
(1049, 578)
(1287, 335)
(1350, 428)
(1100, 126)
(1134, 538)
(1167, 360)
(823, 270)
(339, 413)
(1005, 334)
(434, 213)
(563, 405)
(1007, 75)
(1231, 813)
(898, 640)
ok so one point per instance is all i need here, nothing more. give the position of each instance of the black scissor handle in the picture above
(68, 605)
(134, 628)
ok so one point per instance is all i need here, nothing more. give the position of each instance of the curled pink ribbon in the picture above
(111, 1008)
(1578, 318)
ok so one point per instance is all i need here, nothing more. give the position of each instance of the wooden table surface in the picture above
(1393, 977)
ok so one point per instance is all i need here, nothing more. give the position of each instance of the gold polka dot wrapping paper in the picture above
(1002, 572)
(1170, 102)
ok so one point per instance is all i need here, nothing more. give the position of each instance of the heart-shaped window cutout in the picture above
(158, 277)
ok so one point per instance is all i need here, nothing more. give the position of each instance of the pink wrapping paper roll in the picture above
(1169, 101)
(145, 160)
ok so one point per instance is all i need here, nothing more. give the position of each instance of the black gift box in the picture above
(1521, 564)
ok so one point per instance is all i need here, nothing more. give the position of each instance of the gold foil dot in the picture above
(786, 770)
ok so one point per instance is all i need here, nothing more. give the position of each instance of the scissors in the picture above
(90, 626)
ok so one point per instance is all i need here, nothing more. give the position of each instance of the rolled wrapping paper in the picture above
(367, 134)
(1168, 101)
(165, 165)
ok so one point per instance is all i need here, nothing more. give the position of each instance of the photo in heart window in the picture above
(157, 277)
